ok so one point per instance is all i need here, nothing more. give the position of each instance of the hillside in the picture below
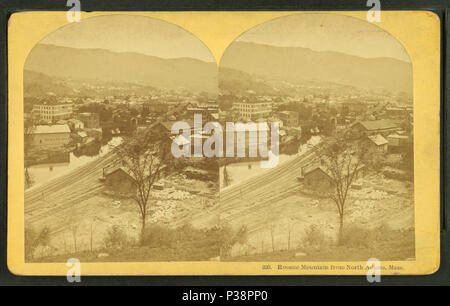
(38, 84)
(233, 81)
(296, 65)
(236, 82)
(107, 66)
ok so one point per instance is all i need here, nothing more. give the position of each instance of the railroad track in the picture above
(55, 199)
(252, 198)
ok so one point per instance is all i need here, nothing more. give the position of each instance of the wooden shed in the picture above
(119, 180)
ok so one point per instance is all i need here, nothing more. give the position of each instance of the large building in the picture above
(253, 110)
(209, 112)
(50, 136)
(155, 107)
(53, 112)
(383, 127)
(90, 120)
(289, 118)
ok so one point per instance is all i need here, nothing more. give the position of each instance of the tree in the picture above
(342, 160)
(240, 237)
(44, 238)
(73, 227)
(290, 225)
(272, 227)
(146, 156)
(116, 238)
(92, 233)
(34, 240)
(227, 180)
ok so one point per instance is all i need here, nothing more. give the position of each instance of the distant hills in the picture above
(245, 67)
(99, 65)
(297, 65)
(39, 84)
(237, 82)
(232, 81)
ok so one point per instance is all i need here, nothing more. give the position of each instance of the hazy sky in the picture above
(320, 32)
(123, 33)
(327, 32)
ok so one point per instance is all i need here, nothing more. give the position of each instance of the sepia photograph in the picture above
(223, 143)
(343, 190)
(101, 184)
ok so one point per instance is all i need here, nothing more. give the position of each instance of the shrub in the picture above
(358, 236)
(315, 237)
(158, 236)
(399, 175)
(241, 235)
(355, 236)
(377, 162)
(191, 243)
(117, 238)
(34, 240)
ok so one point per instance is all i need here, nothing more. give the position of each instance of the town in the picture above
(59, 130)
(319, 166)
(56, 126)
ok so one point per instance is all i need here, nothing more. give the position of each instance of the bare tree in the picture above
(291, 222)
(227, 180)
(74, 230)
(93, 226)
(342, 159)
(44, 238)
(145, 156)
(35, 239)
(271, 224)
(272, 227)
(261, 239)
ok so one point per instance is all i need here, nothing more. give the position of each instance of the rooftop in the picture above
(311, 168)
(397, 136)
(52, 129)
(115, 169)
(52, 103)
(378, 139)
(377, 125)
(289, 113)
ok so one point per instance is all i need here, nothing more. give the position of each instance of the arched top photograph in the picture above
(133, 53)
(335, 52)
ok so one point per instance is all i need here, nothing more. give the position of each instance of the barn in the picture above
(317, 178)
(383, 127)
(377, 143)
(119, 180)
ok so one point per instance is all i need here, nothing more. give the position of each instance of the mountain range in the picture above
(297, 65)
(123, 67)
(244, 66)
